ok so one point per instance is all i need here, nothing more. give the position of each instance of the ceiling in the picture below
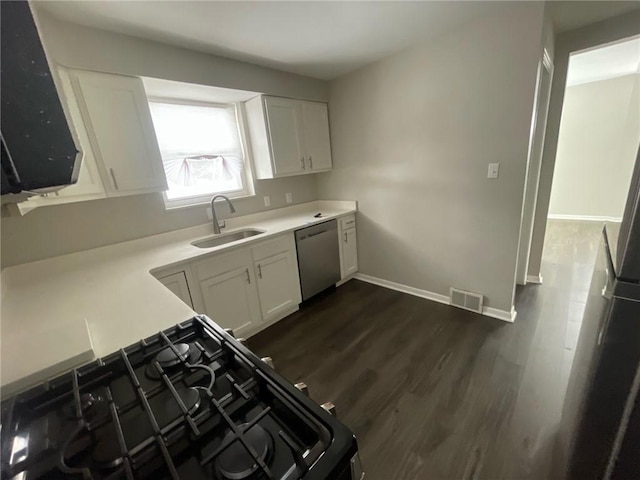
(615, 60)
(568, 15)
(321, 39)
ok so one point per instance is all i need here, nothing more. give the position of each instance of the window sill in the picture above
(173, 205)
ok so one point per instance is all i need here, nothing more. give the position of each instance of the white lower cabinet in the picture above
(350, 253)
(249, 287)
(177, 283)
(348, 247)
(276, 269)
(228, 291)
(231, 301)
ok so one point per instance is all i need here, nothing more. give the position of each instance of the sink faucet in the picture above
(216, 224)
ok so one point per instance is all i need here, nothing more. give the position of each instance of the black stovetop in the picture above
(190, 402)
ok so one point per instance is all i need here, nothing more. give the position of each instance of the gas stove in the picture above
(188, 403)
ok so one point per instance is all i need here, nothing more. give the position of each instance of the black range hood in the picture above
(38, 150)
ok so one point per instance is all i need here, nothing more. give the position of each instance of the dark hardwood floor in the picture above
(434, 392)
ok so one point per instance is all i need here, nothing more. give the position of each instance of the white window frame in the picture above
(247, 171)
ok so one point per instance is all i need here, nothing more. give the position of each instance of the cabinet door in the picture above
(285, 135)
(116, 113)
(231, 300)
(278, 285)
(315, 118)
(349, 261)
(177, 283)
(89, 184)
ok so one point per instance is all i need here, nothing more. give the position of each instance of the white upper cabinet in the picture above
(288, 136)
(285, 134)
(116, 114)
(315, 118)
(89, 184)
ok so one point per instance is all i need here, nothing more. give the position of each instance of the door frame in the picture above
(534, 164)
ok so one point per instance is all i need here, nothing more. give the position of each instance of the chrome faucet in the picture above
(216, 224)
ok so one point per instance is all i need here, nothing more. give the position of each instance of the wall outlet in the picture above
(209, 214)
(288, 197)
(493, 171)
(267, 201)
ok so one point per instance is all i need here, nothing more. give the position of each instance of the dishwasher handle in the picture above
(317, 229)
(317, 233)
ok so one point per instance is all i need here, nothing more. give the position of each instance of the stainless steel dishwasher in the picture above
(318, 257)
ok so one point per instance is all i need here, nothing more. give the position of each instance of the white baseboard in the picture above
(500, 314)
(436, 297)
(534, 279)
(346, 279)
(587, 218)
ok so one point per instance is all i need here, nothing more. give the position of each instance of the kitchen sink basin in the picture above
(224, 238)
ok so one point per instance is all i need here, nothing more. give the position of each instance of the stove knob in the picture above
(302, 387)
(268, 361)
(330, 407)
(230, 332)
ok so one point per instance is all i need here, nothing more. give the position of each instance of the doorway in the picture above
(599, 134)
(598, 144)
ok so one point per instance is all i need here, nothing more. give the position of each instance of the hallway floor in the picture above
(434, 392)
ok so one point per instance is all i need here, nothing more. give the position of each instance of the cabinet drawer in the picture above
(218, 264)
(277, 245)
(348, 222)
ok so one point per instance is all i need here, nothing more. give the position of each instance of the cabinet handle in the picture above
(310, 162)
(113, 177)
(248, 276)
(346, 238)
(259, 270)
(303, 165)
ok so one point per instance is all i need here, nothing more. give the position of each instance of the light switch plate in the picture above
(267, 201)
(289, 198)
(493, 171)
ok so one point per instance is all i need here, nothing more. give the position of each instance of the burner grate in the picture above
(158, 433)
(235, 396)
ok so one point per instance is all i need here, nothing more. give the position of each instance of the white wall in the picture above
(57, 230)
(597, 146)
(412, 136)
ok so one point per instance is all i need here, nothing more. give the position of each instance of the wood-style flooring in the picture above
(434, 392)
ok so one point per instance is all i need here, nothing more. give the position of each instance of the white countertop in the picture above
(67, 310)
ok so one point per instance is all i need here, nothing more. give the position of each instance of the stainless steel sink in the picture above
(221, 239)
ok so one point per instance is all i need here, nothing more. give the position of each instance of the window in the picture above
(201, 149)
